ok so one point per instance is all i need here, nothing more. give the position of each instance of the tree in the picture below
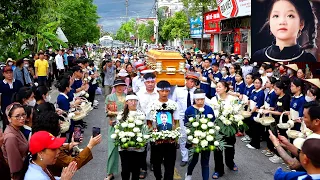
(194, 7)
(175, 27)
(126, 28)
(146, 31)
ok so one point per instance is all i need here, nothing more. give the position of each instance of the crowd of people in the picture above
(36, 144)
(39, 141)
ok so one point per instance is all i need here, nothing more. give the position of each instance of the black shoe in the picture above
(151, 167)
(183, 163)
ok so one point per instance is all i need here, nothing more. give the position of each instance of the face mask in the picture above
(289, 71)
(255, 64)
(10, 63)
(32, 103)
(269, 74)
(223, 72)
(309, 99)
(261, 71)
(26, 65)
(48, 98)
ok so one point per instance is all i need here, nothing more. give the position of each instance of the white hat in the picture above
(122, 73)
(298, 142)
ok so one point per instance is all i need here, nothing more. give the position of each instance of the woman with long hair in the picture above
(225, 98)
(42, 95)
(115, 103)
(25, 96)
(130, 155)
(288, 20)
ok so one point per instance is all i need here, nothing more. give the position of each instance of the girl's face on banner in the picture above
(285, 21)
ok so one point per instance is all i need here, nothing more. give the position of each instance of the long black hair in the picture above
(23, 94)
(41, 90)
(306, 14)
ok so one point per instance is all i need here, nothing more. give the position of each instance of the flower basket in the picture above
(65, 124)
(293, 134)
(79, 114)
(246, 113)
(266, 120)
(286, 125)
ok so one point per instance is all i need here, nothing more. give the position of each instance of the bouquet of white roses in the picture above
(167, 136)
(131, 133)
(229, 118)
(203, 133)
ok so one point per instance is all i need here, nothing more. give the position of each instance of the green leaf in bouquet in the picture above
(244, 127)
(190, 154)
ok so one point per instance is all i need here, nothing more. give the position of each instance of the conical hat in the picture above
(292, 66)
(315, 82)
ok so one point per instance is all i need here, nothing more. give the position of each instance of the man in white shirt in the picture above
(138, 82)
(184, 98)
(59, 62)
(147, 96)
(246, 68)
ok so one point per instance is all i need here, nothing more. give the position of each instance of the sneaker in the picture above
(250, 147)
(264, 151)
(269, 154)
(96, 102)
(188, 177)
(276, 159)
(246, 138)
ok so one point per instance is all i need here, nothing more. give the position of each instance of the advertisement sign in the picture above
(234, 8)
(212, 22)
(196, 28)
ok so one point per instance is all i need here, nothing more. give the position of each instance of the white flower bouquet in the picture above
(158, 106)
(167, 136)
(203, 133)
(133, 133)
(229, 118)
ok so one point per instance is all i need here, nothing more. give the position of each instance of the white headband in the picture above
(199, 96)
(158, 89)
(149, 79)
(129, 97)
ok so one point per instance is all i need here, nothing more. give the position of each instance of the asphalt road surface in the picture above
(251, 163)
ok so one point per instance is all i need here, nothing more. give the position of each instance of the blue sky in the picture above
(111, 11)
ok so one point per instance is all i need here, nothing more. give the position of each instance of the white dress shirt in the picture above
(180, 96)
(137, 84)
(146, 99)
(59, 62)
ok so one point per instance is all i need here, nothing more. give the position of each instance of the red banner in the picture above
(237, 39)
(212, 22)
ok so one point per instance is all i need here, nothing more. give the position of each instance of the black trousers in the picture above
(228, 155)
(255, 134)
(130, 164)
(165, 153)
(92, 95)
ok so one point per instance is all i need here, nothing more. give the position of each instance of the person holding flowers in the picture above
(131, 134)
(226, 109)
(114, 103)
(163, 148)
(199, 108)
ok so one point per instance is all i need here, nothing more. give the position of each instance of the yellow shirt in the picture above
(42, 66)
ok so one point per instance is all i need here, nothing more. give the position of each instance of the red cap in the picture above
(43, 140)
(7, 68)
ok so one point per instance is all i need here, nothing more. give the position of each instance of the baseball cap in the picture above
(7, 68)
(298, 142)
(44, 140)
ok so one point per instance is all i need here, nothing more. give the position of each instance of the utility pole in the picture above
(157, 22)
(127, 4)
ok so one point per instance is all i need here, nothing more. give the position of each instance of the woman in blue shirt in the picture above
(296, 103)
(271, 96)
(255, 103)
(239, 86)
(232, 76)
(193, 111)
(225, 74)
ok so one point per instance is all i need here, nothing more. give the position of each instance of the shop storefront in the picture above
(212, 27)
(195, 33)
(235, 25)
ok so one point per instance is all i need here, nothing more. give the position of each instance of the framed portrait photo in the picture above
(164, 120)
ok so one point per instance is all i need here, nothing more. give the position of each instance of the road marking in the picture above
(176, 175)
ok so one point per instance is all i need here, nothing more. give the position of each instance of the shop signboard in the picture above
(196, 28)
(234, 8)
(212, 22)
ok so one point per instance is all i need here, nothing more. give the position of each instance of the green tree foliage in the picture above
(30, 25)
(126, 28)
(146, 31)
(175, 27)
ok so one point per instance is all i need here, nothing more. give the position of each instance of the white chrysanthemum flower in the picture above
(138, 122)
(195, 141)
(210, 116)
(146, 136)
(113, 136)
(124, 124)
(209, 138)
(191, 119)
(139, 134)
(130, 119)
(136, 130)
(190, 138)
(240, 123)
(86, 95)
(197, 133)
(204, 126)
(211, 131)
(123, 140)
(201, 110)
(204, 143)
(210, 124)
(217, 128)
(195, 124)
(216, 143)
(203, 135)
(139, 139)
(227, 122)
(131, 134)
(188, 131)
(131, 125)
(116, 131)
(203, 120)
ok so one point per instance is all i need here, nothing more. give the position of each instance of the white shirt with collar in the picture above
(10, 84)
(137, 84)
(180, 96)
(59, 62)
(146, 99)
